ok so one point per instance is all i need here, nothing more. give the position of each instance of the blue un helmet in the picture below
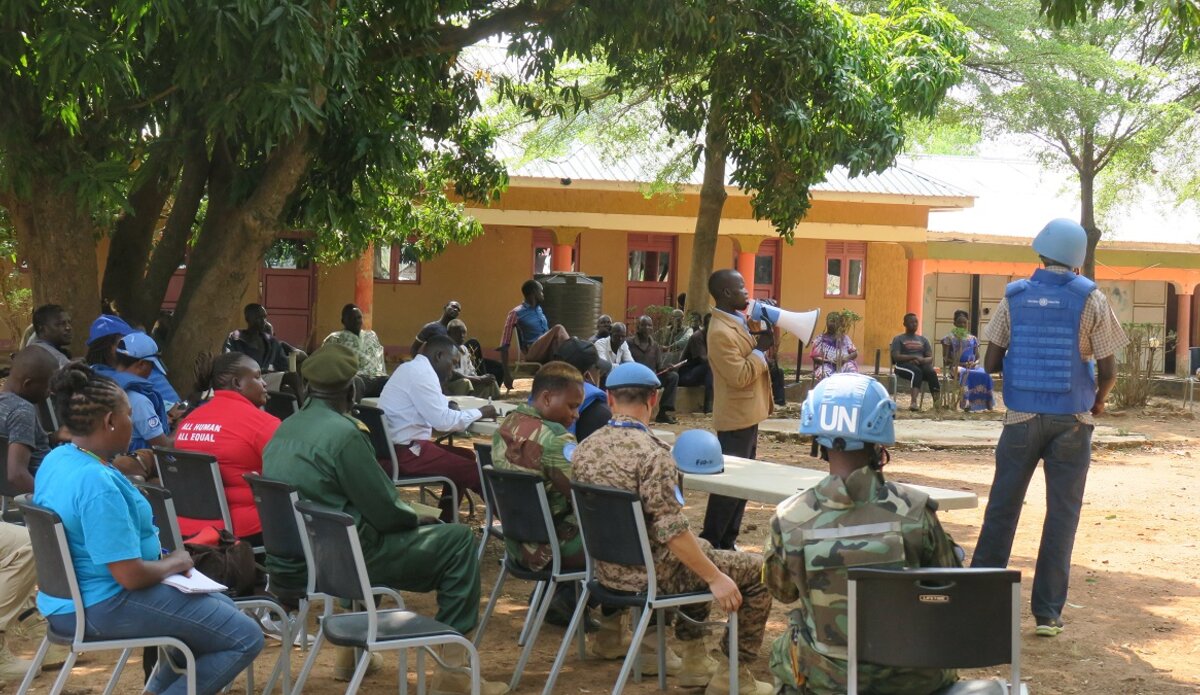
(1062, 240)
(632, 374)
(698, 451)
(851, 407)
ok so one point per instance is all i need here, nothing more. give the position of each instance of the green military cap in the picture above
(330, 368)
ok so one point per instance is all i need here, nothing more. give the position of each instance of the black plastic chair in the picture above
(614, 530)
(337, 571)
(521, 500)
(281, 405)
(936, 618)
(194, 480)
(56, 577)
(162, 504)
(491, 527)
(281, 533)
(374, 419)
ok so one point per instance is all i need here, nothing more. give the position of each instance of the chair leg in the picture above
(631, 659)
(298, 687)
(576, 624)
(733, 653)
(61, 681)
(360, 672)
(403, 659)
(491, 605)
(542, 608)
(421, 671)
(35, 668)
(483, 539)
(301, 624)
(661, 629)
(117, 669)
(580, 633)
(539, 595)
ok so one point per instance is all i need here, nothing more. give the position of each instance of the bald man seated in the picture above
(26, 441)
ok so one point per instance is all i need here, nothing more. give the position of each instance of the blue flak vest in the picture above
(1043, 370)
(132, 382)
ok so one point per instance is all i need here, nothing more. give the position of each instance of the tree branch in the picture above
(509, 20)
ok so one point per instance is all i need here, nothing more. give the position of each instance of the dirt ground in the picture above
(1132, 623)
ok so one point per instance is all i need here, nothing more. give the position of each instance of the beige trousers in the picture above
(18, 576)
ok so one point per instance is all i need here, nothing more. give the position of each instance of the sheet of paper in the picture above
(197, 583)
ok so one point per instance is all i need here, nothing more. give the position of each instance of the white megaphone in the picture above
(801, 324)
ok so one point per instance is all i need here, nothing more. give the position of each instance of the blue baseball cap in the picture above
(140, 346)
(631, 374)
(106, 325)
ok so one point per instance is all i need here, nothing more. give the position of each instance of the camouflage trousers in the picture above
(745, 569)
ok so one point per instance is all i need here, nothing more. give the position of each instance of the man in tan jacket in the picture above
(741, 393)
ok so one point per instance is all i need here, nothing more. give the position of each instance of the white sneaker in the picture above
(271, 628)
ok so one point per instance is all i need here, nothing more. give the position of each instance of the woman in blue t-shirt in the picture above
(115, 549)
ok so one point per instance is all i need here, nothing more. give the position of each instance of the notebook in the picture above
(197, 583)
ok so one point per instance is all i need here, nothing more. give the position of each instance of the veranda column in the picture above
(916, 286)
(1183, 337)
(364, 284)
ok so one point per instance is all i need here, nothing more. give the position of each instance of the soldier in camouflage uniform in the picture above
(626, 455)
(534, 438)
(852, 518)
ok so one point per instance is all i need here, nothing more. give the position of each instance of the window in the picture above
(649, 266)
(845, 269)
(543, 252)
(396, 263)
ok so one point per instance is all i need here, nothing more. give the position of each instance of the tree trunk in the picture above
(133, 236)
(58, 241)
(223, 265)
(1087, 205)
(712, 201)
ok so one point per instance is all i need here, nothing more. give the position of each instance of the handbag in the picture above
(229, 561)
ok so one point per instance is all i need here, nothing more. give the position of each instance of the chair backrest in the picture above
(935, 618)
(520, 500)
(613, 528)
(275, 501)
(52, 558)
(483, 452)
(165, 518)
(337, 560)
(194, 480)
(47, 417)
(281, 404)
(375, 421)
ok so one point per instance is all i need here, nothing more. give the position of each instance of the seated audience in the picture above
(615, 348)
(912, 358)
(833, 352)
(809, 550)
(231, 427)
(593, 411)
(466, 380)
(439, 327)
(534, 438)
(103, 335)
(326, 455)
(372, 371)
(646, 350)
(539, 340)
(257, 342)
(18, 582)
(414, 406)
(626, 455)
(52, 332)
(681, 334)
(695, 370)
(137, 356)
(603, 328)
(960, 351)
(25, 441)
(115, 549)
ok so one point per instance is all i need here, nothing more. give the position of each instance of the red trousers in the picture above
(453, 462)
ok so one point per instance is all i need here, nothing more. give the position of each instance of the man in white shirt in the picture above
(413, 407)
(615, 349)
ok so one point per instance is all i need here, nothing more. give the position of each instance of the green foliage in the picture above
(1183, 14)
(16, 299)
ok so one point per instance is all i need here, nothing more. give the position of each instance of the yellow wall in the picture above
(887, 286)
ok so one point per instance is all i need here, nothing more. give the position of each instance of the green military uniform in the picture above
(815, 535)
(527, 442)
(328, 457)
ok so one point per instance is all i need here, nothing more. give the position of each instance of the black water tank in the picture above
(572, 299)
(1195, 355)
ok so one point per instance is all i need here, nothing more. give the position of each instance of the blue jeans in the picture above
(1065, 445)
(223, 639)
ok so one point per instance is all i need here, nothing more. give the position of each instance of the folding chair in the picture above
(373, 418)
(281, 404)
(937, 618)
(521, 500)
(194, 480)
(275, 502)
(169, 537)
(614, 530)
(56, 577)
(337, 570)
(491, 527)
(47, 417)
(521, 368)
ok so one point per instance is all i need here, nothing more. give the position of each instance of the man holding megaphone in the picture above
(741, 384)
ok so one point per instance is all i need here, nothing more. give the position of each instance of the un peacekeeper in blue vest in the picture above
(1050, 335)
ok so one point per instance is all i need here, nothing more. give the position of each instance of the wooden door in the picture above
(651, 273)
(287, 288)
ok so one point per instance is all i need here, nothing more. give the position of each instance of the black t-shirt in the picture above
(591, 419)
